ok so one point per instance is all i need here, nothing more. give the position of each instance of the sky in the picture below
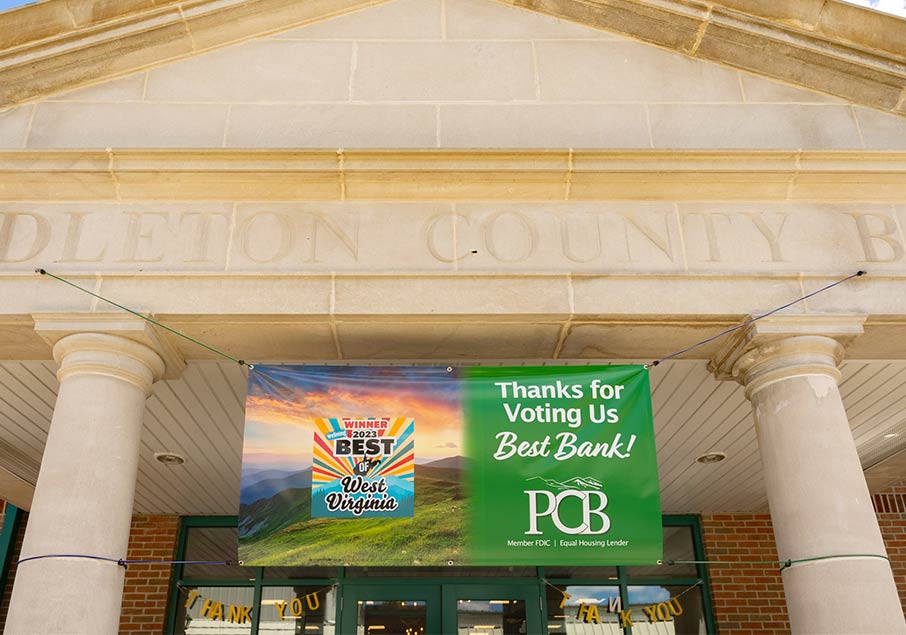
(896, 7)
(283, 400)
(9, 4)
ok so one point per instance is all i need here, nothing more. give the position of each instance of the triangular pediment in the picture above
(446, 73)
(828, 45)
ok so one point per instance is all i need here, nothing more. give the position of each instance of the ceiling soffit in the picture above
(824, 45)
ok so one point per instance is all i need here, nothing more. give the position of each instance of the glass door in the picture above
(390, 609)
(432, 608)
(501, 609)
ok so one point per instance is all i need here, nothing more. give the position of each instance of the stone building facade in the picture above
(454, 181)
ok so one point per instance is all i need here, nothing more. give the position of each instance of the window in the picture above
(662, 599)
(217, 599)
(235, 600)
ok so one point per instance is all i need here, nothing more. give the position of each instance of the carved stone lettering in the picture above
(773, 237)
(74, 239)
(22, 236)
(580, 237)
(432, 230)
(707, 219)
(267, 237)
(509, 236)
(143, 242)
(661, 241)
(877, 233)
(322, 224)
(198, 227)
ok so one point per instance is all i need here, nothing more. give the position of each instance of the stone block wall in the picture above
(451, 74)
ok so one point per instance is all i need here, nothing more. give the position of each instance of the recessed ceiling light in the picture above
(169, 458)
(711, 457)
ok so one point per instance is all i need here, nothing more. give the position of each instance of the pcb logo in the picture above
(578, 499)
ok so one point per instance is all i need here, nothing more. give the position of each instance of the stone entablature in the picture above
(470, 237)
(369, 254)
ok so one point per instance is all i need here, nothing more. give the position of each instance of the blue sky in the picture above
(9, 4)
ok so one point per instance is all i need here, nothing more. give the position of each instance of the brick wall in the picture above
(147, 586)
(748, 599)
(890, 506)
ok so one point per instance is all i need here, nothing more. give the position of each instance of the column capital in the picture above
(126, 331)
(778, 347)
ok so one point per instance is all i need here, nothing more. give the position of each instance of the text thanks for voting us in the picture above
(529, 404)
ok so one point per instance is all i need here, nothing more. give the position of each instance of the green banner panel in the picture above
(564, 468)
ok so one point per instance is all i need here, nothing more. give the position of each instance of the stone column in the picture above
(820, 505)
(84, 494)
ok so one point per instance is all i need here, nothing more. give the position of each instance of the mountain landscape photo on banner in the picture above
(276, 522)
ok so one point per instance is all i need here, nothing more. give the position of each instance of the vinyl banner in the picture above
(408, 466)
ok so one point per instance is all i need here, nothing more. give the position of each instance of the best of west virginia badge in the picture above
(363, 468)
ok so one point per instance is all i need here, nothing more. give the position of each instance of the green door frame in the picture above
(527, 592)
(11, 521)
(441, 597)
(353, 593)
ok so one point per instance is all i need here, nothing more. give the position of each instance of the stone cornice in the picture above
(826, 45)
(59, 45)
(543, 175)
(835, 20)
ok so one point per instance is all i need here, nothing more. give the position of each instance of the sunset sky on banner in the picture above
(283, 404)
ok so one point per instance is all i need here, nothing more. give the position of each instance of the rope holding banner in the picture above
(785, 564)
(241, 362)
(652, 364)
(858, 274)
(124, 562)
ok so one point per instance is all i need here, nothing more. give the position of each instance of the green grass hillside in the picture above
(288, 535)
